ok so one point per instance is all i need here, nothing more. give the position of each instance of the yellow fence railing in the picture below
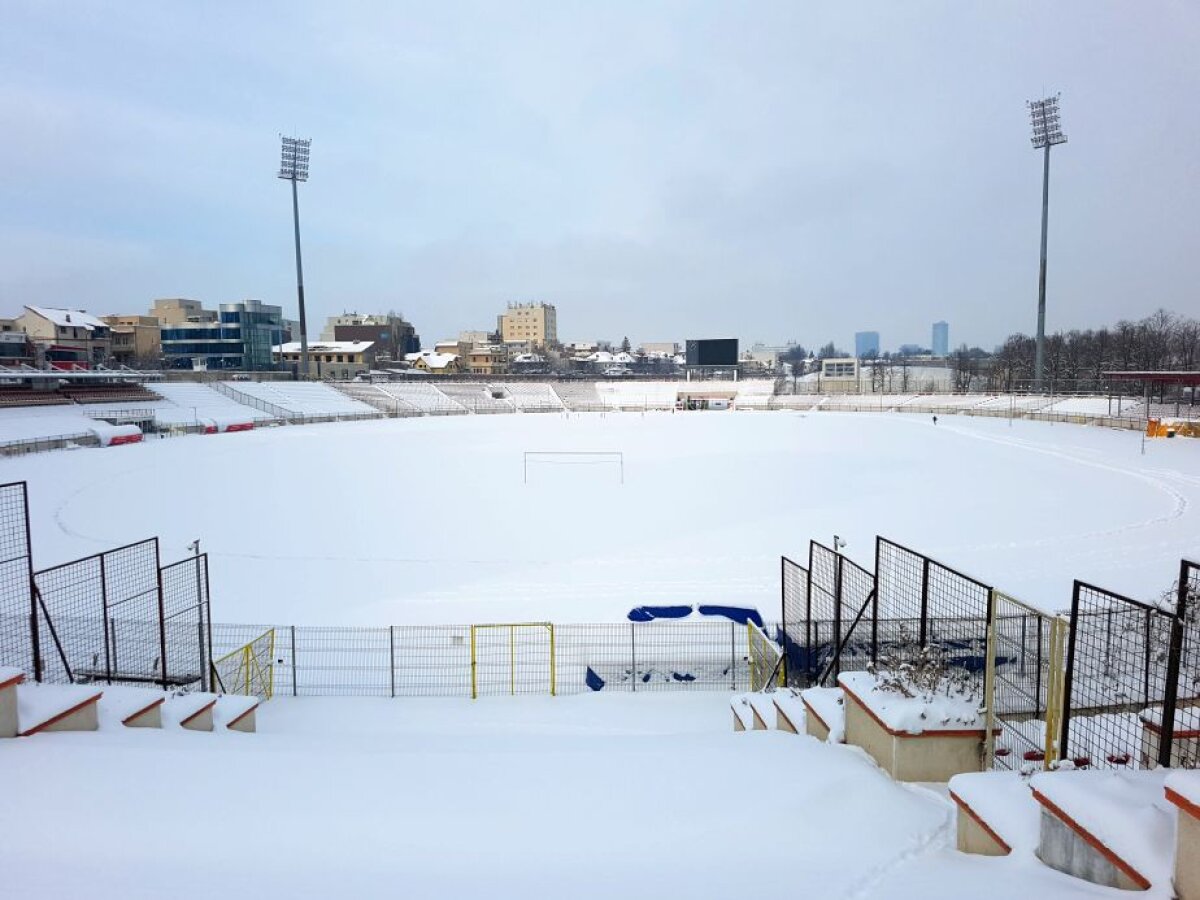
(249, 669)
(765, 659)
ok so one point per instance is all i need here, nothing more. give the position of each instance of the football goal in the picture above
(612, 460)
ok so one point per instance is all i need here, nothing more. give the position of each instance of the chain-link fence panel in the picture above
(16, 579)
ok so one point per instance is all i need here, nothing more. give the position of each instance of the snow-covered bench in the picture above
(237, 712)
(1183, 791)
(132, 707)
(996, 813)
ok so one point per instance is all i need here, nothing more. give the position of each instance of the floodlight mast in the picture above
(1047, 131)
(293, 167)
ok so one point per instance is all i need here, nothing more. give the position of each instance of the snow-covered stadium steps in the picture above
(579, 396)
(531, 397)
(634, 396)
(192, 402)
(478, 398)
(376, 396)
(304, 398)
(28, 708)
(424, 397)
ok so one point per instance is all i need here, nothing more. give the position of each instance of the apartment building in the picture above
(535, 324)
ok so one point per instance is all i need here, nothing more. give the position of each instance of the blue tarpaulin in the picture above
(594, 681)
(650, 613)
(739, 614)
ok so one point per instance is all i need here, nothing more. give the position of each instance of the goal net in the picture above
(608, 460)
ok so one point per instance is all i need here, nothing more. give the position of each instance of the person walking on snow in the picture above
(935, 420)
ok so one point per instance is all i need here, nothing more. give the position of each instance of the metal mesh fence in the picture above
(794, 623)
(98, 617)
(185, 606)
(436, 660)
(825, 623)
(925, 602)
(1121, 681)
(16, 575)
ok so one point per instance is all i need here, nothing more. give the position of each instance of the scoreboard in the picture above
(715, 352)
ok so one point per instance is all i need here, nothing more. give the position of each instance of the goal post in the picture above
(611, 458)
(513, 658)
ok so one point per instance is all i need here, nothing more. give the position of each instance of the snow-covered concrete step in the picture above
(752, 711)
(132, 707)
(236, 712)
(191, 711)
(825, 714)
(1114, 828)
(790, 714)
(996, 813)
(57, 707)
(743, 718)
(9, 679)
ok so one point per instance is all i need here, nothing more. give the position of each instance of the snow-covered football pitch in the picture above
(593, 795)
(436, 521)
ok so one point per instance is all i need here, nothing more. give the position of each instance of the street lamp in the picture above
(1047, 132)
(293, 167)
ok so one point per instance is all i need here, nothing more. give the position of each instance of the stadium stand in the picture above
(425, 397)
(475, 397)
(188, 402)
(376, 396)
(23, 396)
(303, 398)
(638, 395)
(107, 393)
(533, 397)
(579, 396)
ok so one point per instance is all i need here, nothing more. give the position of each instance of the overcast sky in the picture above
(657, 170)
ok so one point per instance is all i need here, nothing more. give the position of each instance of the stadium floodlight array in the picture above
(293, 162)
(1047, 132)
(293, 167)
(1044, 117)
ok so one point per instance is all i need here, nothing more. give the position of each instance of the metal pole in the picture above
(633, 656)
(300, 279)
(392, 656)
(1040, 351)
(293, 630)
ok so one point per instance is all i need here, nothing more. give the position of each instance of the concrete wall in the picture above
(8, 710)
(974, 838)
(1062, 848)
(932, 756)
(1187, 856)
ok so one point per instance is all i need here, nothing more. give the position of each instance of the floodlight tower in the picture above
(293, 167)
(1047, 132)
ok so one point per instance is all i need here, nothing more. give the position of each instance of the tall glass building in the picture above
(241, 338)
(941, 339)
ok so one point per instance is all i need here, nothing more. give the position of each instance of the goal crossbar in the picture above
(574, 458)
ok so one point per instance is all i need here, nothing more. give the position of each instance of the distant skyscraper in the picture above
(941, 339)
(866, 343)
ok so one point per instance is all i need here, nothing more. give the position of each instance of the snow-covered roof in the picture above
(431, 359)
(68, 318)
(328, 347)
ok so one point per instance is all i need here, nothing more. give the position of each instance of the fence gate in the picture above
(765, 659)
(1026, 668)
(512, 658)
(248, 670)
